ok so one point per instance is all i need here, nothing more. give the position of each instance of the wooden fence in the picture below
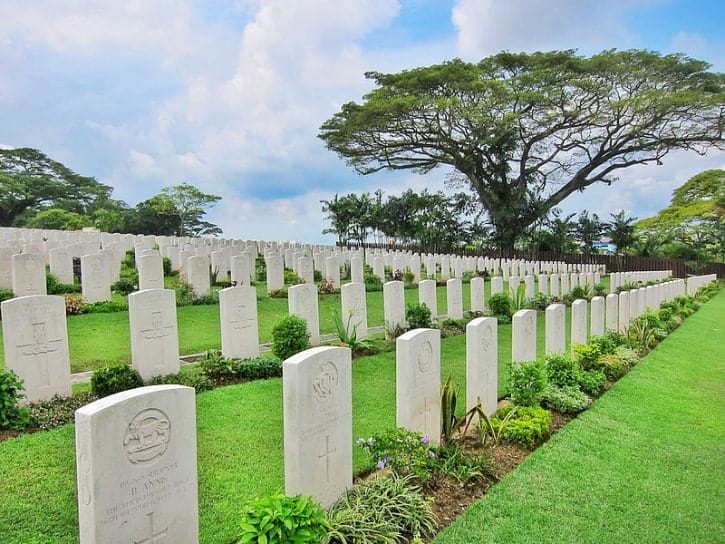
(614, 263)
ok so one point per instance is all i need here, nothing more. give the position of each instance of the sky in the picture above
(229, 95)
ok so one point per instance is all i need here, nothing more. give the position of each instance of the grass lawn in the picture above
(240, 449)
(99, 339)
(645, 464)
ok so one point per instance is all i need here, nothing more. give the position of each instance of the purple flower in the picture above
(380, 465)
(425, 440)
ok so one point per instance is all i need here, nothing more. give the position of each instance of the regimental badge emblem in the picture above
(425, 357)
(324, 386)
(147, 437)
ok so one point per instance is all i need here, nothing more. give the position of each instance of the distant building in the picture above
(604, 245)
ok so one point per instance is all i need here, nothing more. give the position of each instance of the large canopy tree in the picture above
(527, 130)
(29, 180)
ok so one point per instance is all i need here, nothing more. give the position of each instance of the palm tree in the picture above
(621, 231)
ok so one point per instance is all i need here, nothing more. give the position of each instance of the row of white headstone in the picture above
(136, 451)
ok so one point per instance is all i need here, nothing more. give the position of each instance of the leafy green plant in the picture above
(59, 410)
(54, 287)
(587, 355)
(166, 263)
(12, 415)
(592, 381)
(190, 379)
(449, 400)
(582, 291)
(562, 370)
(289, 336)
(383, 510)
(114, 379)
(527, 427)
(408, 277)
(418, 316)
(291, 278)
(528, 380)
(278, 293)
(124, 286)
(565, 400)
(281, 520)
(6, 294)
(347, 333)
(539, 302)
(500, 305)
(221, 370)
(104, 307)
(372, 282)
(642, 334)
(494, 430)
(403, 451)
(452, 462)
(519, 300)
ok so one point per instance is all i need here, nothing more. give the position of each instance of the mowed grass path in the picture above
(239, 449)
(645, 464)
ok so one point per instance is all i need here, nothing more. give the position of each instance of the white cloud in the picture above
(487, 26)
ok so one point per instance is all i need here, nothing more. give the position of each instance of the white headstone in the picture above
(61, 264)
(6, 268)
(240, 332)
(394, 307)
(198, 275)
(28, 275)
(332, 271)
(136, 467)
(555, 329)
(523, 336)
(579, 322)
(418, 382)
(428, 295)
(496, 285)
(95, 277)
(354, 309)
(275, 272)
(554, 285)
(623, 311)
(478, 303)
(154, 332)
(302, 301)
(241, 271)
(356, 269)
(150, 272)
(305, 270)
(454, 296)
(482, 364)
(612, 311)
(597, 322)
(36, 345)
(317, 392)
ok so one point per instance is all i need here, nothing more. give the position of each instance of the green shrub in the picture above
(604, 344)
(562, 370)
(527, 382)
(613, 367)
(500, 305)
(281, 520)
(129, 261)
(291, 278)
(418, 316)
(404, 452)
(190, 379)
(278, 293)
(372, 282)
(581, 292)
(54, 287)
(539, 302)
(220, 369)
(59, 410)
(104, 307)
(6, 294)
(592, 382)
(317, 276)
(526, 427)
(114, 379)
(408, 277)
(453, 462)
(587, 355)
(627, 355)
(381, 511)
(124, 286)
(12, 415)
(289, 336)
(167, 266)
(565, 400)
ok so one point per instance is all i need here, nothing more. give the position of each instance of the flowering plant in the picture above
(402, 451)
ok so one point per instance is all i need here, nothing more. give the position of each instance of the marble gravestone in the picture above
(61, 264)
(95, 278)
(356, 269)
(623, 313)
(332, 271)
(478, 303)
(28, 274)
(597, 317)
(154, 332)
(454, 296)
(198, 275)
(612, 312)
(6, 268)
(275, 272)
(482, 364)
(427, 294)
(317, 407)
(306, 270)
(36, 345)
(418, 382)
(523, 336)
(579, 322)
(394, 308)
(150, 272)
(240, 270)
(238, 318)
(496, 285)
(555, 324)
(302, 301)
(354, 309)
(136, 467)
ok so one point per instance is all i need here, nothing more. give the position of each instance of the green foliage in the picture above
(54, 287)
(289, 336)
(347, 333)
(539, 302)
(103, 307)
(291, 278)
(114, 379)
(185, 296)
(58, 411)
(383, 510)
(282, 520)
(519, 300)
(6, 294)
(372, 282)
(528, 426)
(592, 381)
(562, 370)
(581, 292)
(404, 452)
(57, 219)
(452, 462)
(418, 316)
(449, 401)
(278, 293)
(124, 286)
(408, 277)
(501, 306)
(190, 379)
(12, 415)
(528, 380)
(587, 355)
(565, 400)
(221, 370)
(168, 271)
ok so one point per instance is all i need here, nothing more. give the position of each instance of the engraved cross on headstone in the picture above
(39, 349)
(158, 537)
(326, 456)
